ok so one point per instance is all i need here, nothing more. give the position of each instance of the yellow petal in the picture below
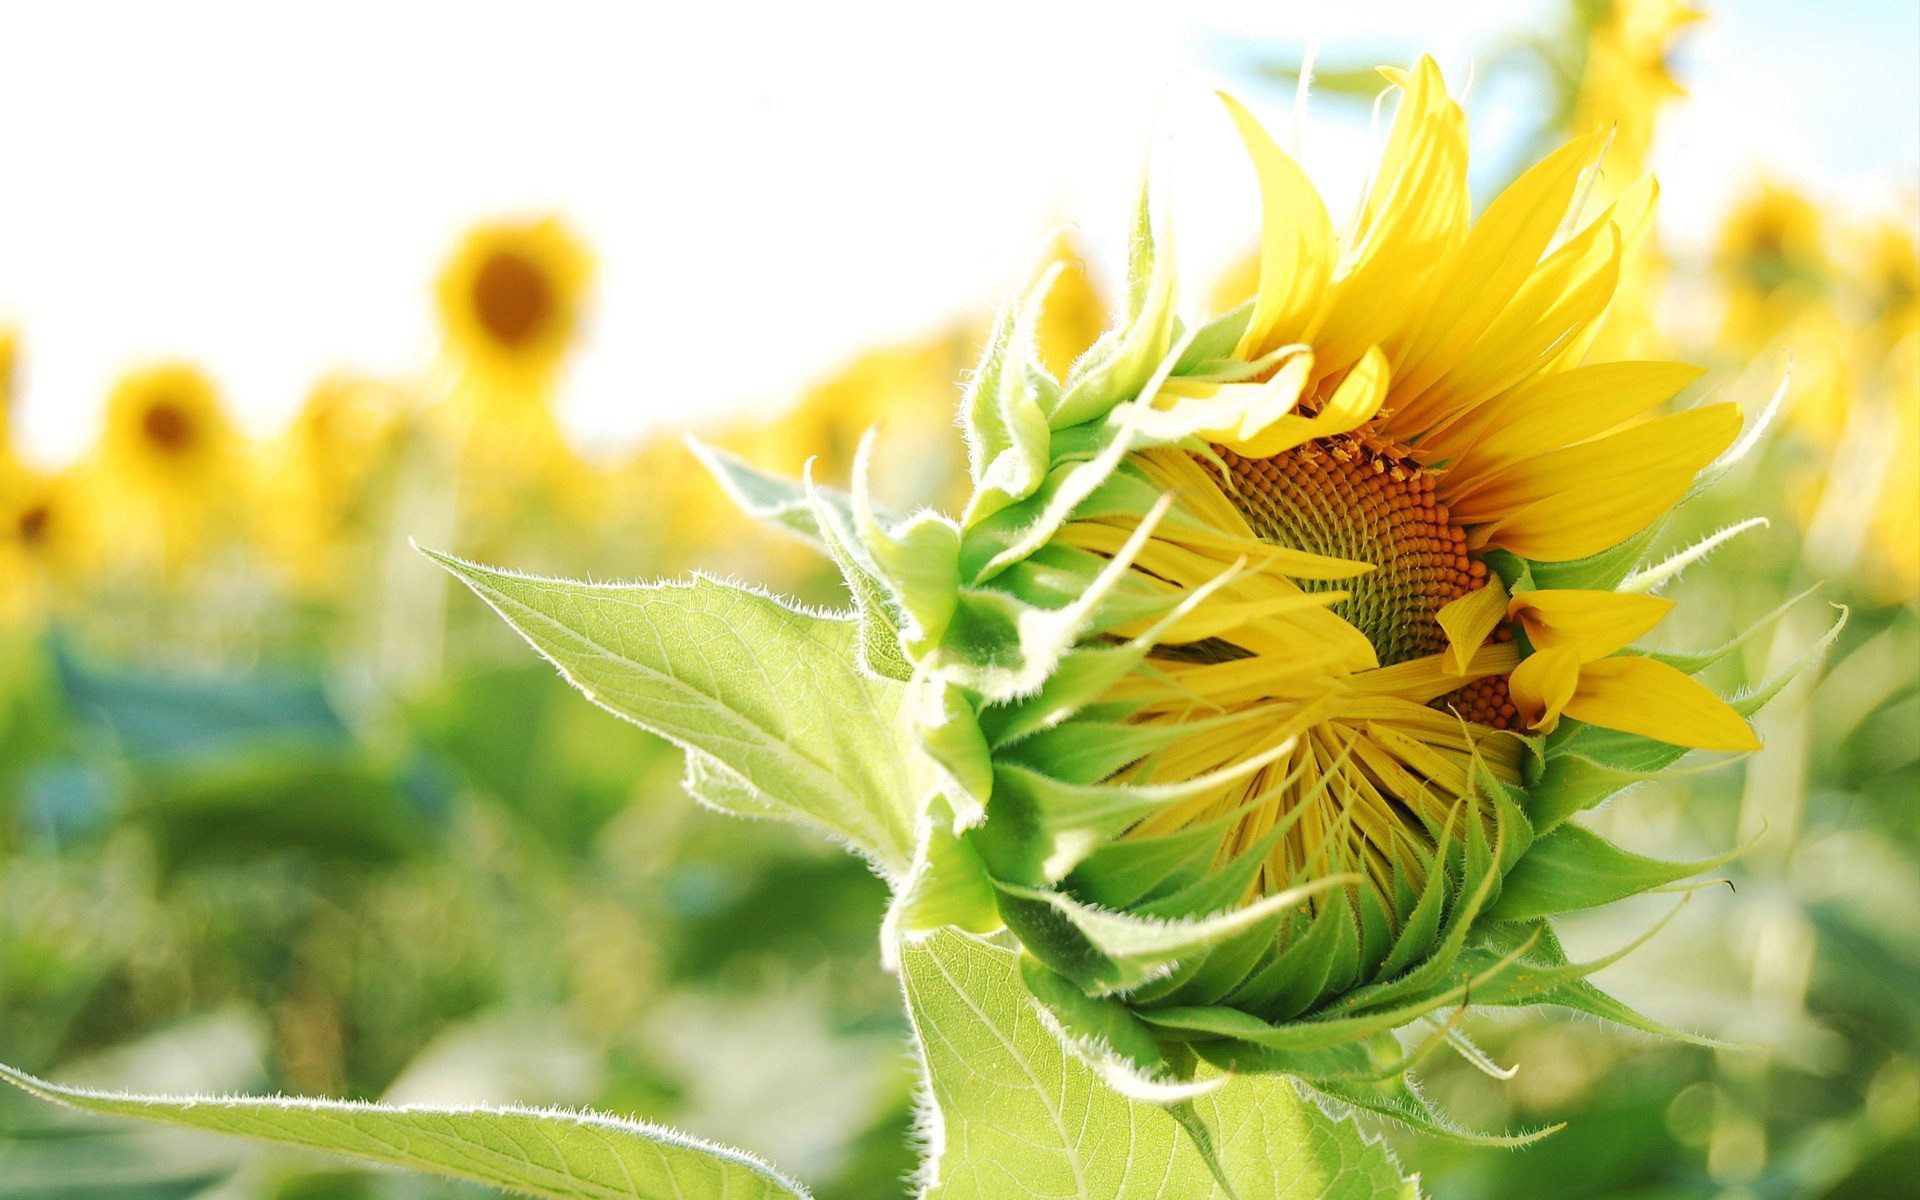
(1582, 499)
(1631, 216)
(1593, 624)
(1639, 695)
(1353, 404)
(1563, 296)
(1468, 620)
(1296, 243)
(1552, 411)
(1542, 685)
(1411, 225)
(1501, 250)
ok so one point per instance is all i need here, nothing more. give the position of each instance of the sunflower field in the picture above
(1428, 708)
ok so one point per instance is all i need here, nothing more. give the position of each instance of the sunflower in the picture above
(169, 461)
(46, 540)
(510, 303)
(321, 476)
(1771, 256)
(510, 299)
(1855, 339)
(1266, 652)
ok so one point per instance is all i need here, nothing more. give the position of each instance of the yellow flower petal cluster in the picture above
(1413, 403)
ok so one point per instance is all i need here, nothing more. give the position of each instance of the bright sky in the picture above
(768, 187)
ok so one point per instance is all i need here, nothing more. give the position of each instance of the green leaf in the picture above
(1014, 1114)
(777, 718)
(567, 1156)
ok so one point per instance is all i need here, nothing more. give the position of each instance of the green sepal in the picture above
(1573, 868)
(1601, 571)
(880, 652)
(1695, 663)
(1658, 575)
(1510, 964)
(1088, 751)
(917, 558)
(949, 732)
(1397, 1100)
(1123, 873)
(1210, 349)
(1104, 952)
(1294, 979)
(1118, 366)
(777, 501)
(1580, 995)
(1004, 410)
(1104, 1033)
(1039, 827)
(946, 886)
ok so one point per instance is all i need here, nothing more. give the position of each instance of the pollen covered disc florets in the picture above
(1347, 497)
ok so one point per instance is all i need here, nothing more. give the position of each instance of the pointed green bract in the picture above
(769, 701)
(531, 1152)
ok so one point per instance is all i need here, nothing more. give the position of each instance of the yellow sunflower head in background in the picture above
(1772, 261)
(170, 464)
(510, 298)
(166, 429)
(324, 472)
(45, 539)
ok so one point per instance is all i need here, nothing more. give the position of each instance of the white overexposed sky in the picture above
(767, 187)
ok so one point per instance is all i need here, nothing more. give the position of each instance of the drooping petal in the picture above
(1592, 623)
(1542, 685)
(1469, 620)
(1353, 403)
(1639, 695)
(1296, 243)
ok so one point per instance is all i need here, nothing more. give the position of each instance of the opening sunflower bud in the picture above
(1248, 649)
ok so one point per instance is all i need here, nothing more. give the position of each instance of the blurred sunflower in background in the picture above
(1771, 259)
(46, 539)
(511, 301)
(169, 466)
(323, 479)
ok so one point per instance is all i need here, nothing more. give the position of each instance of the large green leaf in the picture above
(566, 1156)
(1014, 1114)
(775, 715)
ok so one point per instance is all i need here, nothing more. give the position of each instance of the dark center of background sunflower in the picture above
(512, 298)
(167, 426)
(1355, 499)
(32, 523)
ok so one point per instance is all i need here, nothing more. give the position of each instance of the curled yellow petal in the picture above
(1501, 250)
(1593, 624)
(1296, 242)
(1468, 621)
(1542, 686)
(1352, 405)
(1647, 697)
